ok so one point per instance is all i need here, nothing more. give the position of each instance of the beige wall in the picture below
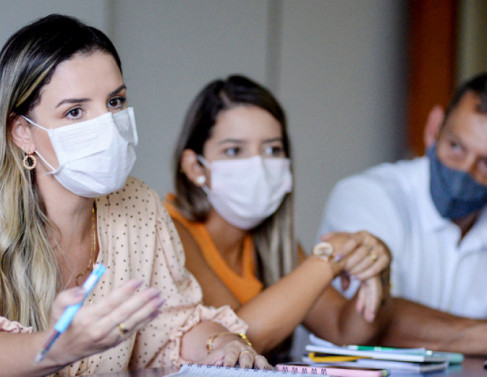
(337, 66)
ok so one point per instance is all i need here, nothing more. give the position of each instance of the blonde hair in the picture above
(30, 276)
(274, 238)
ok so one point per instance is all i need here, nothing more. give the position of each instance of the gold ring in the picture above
(244, 352)
(373, 257)
(123, 330)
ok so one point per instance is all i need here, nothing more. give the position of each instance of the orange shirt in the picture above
(245, 286)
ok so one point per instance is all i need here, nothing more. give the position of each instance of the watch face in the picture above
(324, 250)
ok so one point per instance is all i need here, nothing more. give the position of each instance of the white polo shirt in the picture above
(429, 264)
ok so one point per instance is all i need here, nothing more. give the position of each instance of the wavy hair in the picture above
(274, 238)
(30, 276)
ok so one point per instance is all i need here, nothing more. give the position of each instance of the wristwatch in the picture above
(324, 251)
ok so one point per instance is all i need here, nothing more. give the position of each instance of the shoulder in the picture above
(398, 179)
(135, 205)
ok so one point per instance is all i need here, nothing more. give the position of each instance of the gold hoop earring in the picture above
(29, 162)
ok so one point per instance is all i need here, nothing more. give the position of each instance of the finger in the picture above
(232, 353)
(372, 301)
(116, 298)
(124, 330)
(260, 362)
(246, 359)
(214, 358)
(66, 298)
(360, 304)
(344, 247)
(374, 270)
(359, 257)
(137, 309)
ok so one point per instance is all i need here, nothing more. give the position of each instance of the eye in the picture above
(117, 102)
(455, 146)
(232, 151)
(75, 113)
(274, 151)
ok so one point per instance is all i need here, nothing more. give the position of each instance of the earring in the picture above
(29, 161)
(200, 180)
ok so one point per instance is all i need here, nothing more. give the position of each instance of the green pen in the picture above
(390, 349)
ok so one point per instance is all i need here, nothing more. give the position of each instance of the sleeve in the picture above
(224, 316)
(13, 326)
(369, 203)
(159, 343)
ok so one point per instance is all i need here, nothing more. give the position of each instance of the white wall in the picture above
(338, 67)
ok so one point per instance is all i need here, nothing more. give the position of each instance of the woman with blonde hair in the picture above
(66, 148)
(233, 210)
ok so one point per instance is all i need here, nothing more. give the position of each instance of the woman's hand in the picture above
(230, 350)
(98, 327)
(360, 254)
(368, 259)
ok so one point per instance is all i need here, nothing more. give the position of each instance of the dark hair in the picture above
(274, 238)
(477, 85)
(41, 46)
(217, 96)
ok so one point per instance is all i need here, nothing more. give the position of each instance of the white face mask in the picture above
(95, 157)
(246, 191)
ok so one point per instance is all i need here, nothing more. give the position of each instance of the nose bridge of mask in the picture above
(125, 122)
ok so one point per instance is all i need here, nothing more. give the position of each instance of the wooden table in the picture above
(471, 367)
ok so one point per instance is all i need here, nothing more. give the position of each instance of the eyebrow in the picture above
(231, 141)
(81, 100)
(238, 141)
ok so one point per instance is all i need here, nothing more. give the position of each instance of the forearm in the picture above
(274, 314)
(18, 352)
(336, 319)
(415, 325)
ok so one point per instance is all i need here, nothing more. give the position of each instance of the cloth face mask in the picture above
(95, 156)
(454, 192)
(246, 191)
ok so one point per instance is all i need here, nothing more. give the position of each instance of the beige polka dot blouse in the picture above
(138, 240)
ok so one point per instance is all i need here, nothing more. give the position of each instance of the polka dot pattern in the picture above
(138, 240)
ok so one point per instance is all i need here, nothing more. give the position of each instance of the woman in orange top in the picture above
(233, 211)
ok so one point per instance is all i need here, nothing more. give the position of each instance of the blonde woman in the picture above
(66, 149)
(233, 210)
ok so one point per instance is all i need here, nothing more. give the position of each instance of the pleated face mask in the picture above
(246, 191)
(95, 156)
(454, 192)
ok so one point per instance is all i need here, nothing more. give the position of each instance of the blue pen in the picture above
(63, 323)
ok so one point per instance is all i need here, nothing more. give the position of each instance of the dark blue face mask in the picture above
(455, 193)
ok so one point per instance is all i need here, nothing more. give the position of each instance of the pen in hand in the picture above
(65, 320)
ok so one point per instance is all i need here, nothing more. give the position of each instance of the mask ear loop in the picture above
(53, 171)
(201, 180)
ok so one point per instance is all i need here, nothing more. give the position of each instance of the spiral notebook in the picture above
(220, 371)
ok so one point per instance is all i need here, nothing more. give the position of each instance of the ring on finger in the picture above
(122, 328)
(373, 256)
(244, 352)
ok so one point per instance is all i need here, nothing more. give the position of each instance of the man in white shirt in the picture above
(432, 214)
